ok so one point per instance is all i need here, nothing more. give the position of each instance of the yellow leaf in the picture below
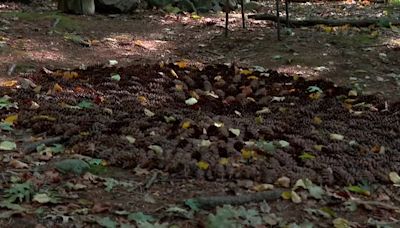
(247, 153)
(182, 64)
(57, 88)
(224, 161)
(162, 64)
(318, 147)
(143, 100)
(186, 124)
(195, 16)
(246, 72)
(10, 83)
(252, 77)
(179, 87)
(317, 120)
(11, 119)
(70, 75)
(194, 95)
(314, 96)
(43, 117)
(287, 195)
(202, 165)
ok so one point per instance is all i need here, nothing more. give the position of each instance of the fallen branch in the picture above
(213, 201)
(31, 147)
(328, 22)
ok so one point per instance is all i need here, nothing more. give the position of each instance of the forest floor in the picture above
(164, 108)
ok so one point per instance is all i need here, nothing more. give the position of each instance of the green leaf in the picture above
(359, 190)
(314, 89)
(57, 148)
(75, 166)
(306, 156)
(283, 143)
(116, 77)
(267, 147)
(193, 204)
(191, 101)
(6, 103)
(85, 104)
(107, 222)
(19, 192)
(316, 191)
(8, 145)
(110, 183)
(6, 126)
(139, 217)
(224, 217)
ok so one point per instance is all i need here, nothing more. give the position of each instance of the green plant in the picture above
(21, 192)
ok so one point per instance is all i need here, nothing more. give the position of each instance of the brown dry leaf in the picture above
(16, 164)
(317, 120)
(143, 100)
(52, 176)
(70, 75)
(182, 64)
(101, 207)
(57, 88)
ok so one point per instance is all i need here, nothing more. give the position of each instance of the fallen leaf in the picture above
(283, 182)
(202, 165)
(11, 119)
(341, 223)
(75, 166)
(116, 77)
(191, 101)
(148, 113)
(394, 177)
(8, 145)
(247, 153)
(235, 131)
(107, 222)
(336, 137)
(157, 149)
(263, 187)
(42, 198)
(182, 64)
(186, 124)
(10, 83)
(130, 139)
(16, 164)
(57, 88)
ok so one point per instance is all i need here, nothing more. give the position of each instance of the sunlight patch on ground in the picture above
(302, 71)
(394, 42)
(44, 55)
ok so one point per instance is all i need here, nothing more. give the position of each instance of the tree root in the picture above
(328, 22)
(213, 201)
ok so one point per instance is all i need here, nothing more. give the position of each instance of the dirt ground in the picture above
(185, 114)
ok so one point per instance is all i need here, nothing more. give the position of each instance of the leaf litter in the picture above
(195, 135)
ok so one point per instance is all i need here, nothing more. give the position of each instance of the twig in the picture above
(151, 181)
(213, 201)
(376, 204)
(31, 147)
(11, 69)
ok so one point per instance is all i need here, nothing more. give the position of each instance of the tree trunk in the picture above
(77, 6)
